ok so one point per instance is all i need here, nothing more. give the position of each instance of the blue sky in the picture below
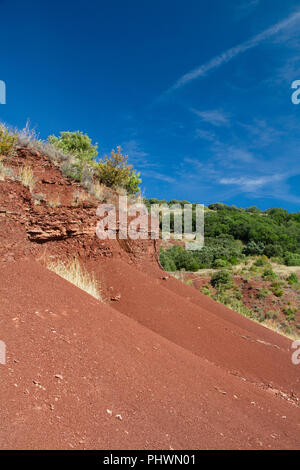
(198, 93)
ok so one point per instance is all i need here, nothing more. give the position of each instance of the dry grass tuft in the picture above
(5, 172)
(99, 191)
(27, 137)
(73, 272)
(273, 325)
(54, 201)
(79, 197)
(37, 198)
(26, 177)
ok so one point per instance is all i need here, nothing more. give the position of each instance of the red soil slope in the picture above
(160, 366)
(80, 375)
(213, 332)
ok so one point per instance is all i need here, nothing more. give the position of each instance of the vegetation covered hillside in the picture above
(250, 263)
(232, 234)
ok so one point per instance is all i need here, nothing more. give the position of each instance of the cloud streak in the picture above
(233, 52)
(245, 8)
(252, 184)
(216, 117)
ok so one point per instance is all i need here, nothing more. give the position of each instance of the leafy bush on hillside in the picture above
(178, 259)
(263, 293)
(261, 261)
(75, 143)
(112, 171)
(115, 172)
(277, 289)
(254, 248)
(273, 251)
(269, 275)
(167, 261)
(7, 141)
(293, 279)
(292, 259)
(290, 313)
(220, 263)
(79, 146)
(221, 279)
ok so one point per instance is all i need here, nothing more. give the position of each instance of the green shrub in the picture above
(7, 141)
(238, 294)
(278, 260)
(263, 293)
(292, 259)
(273, 251)
(134, 180)
(261, 261)
(219, 263)
(167, 262)
(206, 289)
(272, 314)
(79, 146)
(221, 279)
(290, 313)
(254, 248)
(269, 274)
(115, 172)
(289, 330)
(178, 259)
(277, 290)
(230, 301)
(293, 279)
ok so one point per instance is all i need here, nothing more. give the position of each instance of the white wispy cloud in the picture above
(233, 52)
(262, 132)
(205, 135)
(231, 155)
(132, 147)
(232, 170)
(244, 8)
(249, 184)
(159, 176)
(216, 117)
(137, 156)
